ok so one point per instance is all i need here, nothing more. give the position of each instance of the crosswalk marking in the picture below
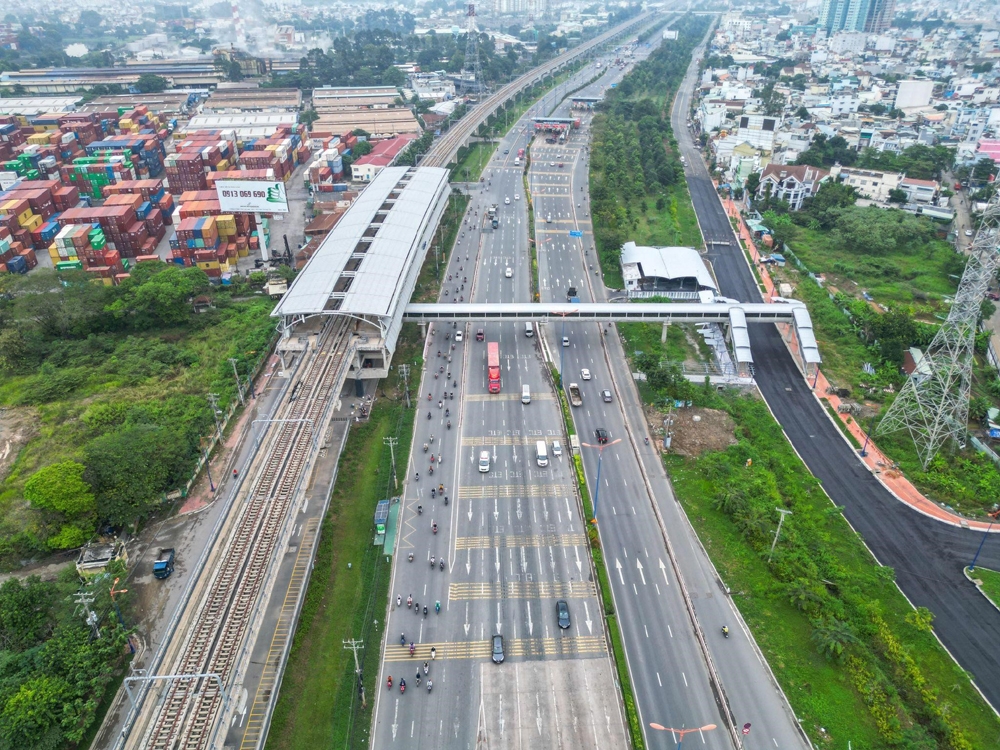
(472, 492)
(493, 590)
(569, 646)
(519, 540)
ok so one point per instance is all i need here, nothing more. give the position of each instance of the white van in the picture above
(525, 394)
(529, 330)
(541, 453)
(517, 161)
(484, 461)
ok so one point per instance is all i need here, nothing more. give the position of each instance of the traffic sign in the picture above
(746, 728)
(575, 233)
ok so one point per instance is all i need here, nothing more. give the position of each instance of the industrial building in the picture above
(232, 99)
(677, 273)
(247, 126)
(383, 155)
(366, 268)
(378, 123)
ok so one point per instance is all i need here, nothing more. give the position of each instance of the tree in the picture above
(151, 84)
(308, 117)
(752, 184)
(60, 488)
(158, 295)
(898, 196)
(781, 226)
(25, 617)
(802, 113)
(833, 637)
(831, 196)
(129, 469)
(31, 717)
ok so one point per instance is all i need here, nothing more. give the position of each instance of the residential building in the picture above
(383, 154)
(792, 184)
(870, 183)
(914, 94)
(871, 16)
(920, 191)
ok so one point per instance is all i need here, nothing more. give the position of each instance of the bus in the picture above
(493, 366)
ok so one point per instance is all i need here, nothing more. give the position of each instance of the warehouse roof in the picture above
(368, 263)
(245, 125)
(37, 105)
(375, 121)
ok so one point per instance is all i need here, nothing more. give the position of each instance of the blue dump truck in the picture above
(164, 564)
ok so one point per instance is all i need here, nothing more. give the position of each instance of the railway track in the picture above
(445, 148)
(189, 712)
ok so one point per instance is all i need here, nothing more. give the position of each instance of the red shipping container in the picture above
(29, 257)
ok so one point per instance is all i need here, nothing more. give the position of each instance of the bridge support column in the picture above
(423, 330)
(663, 333)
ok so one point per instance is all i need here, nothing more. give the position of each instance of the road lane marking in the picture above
(519, 540)
(487, 491)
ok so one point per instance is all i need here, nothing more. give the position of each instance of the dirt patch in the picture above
(696, 430)
(17, 427)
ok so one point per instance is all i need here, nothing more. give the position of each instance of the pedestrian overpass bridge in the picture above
(791, 316)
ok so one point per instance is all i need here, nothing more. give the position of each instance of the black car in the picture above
(506, 151)
(562, 613)
(606, 395)
(498, 649)
(601, 435)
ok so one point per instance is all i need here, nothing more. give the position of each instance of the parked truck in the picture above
(494, 216)
(575, 396)
(164, 564)
(572, 295)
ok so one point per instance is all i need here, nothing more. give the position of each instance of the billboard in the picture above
(252, 196)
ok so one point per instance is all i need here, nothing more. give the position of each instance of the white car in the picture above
(517, 196)
(506, 201)
(552, 163)
(585, 373)
(968, 232)
(458, 336)
(484, 461)
(509, 272)
(556, 448)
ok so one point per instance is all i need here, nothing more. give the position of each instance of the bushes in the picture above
(846, 608)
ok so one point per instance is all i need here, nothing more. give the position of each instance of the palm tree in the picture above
(833, 636)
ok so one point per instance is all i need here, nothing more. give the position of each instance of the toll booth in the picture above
(584, 102)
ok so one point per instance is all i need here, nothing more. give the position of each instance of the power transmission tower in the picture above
(933, 405)
(404, 373)
(84, 600)
(471, 66)
(391, 442)
(356, 645)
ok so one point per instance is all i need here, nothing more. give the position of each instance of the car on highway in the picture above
(458, 336)
(506, 151)
(506, 201)
(968, 232)
(517, 196)
(548, 219)
(600, 433)
(606, 395)
(556, 448)
(508, 272)
(562, 613)
(552, 163)
(565, 340)
(585, 373)
(498, 649)
(561, 165)
(484, 461)
(480, 334)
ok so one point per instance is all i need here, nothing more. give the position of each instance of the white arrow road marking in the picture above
(496, 550)
(499, 625)
(579, 565)
(519, 509)
(618, 567)
(590, 623)
(531, 625)
(470, 511)
(468, 561)
(466, 619)
(663, 569)
(641, 574)
(496, 509)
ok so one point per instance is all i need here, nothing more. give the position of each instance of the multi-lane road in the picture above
(513, 537)
(927, 556)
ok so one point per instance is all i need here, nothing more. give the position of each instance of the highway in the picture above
(928, 556)
(664, 649)
(512, 536)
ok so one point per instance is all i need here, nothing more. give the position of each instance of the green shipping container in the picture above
(69, 265)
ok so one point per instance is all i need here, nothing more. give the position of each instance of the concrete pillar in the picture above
(663, 333)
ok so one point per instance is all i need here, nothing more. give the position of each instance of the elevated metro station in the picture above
(364, 273)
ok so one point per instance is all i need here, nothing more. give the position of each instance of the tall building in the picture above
(869, 16)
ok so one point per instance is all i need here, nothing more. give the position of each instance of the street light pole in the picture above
(777, 532)
(993, 520)
(600, 458)
(682, 732)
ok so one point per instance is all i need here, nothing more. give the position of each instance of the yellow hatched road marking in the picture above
(568, 646)
(519, 540)
(489, 442)
(282, 633)
(521, 590)
(507, 397)
(471, 492)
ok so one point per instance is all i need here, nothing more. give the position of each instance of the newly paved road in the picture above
(513, 536)
(664, 647)
(927, 556)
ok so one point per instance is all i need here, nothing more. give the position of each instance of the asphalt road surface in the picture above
(512, 536)
(928, 556)
(665, 658)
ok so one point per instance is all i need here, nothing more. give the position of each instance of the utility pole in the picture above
(84, 599)
(404, 373)
(213, 400)
(783, 513)
(391, 442)
(239, 385)
(356, 645)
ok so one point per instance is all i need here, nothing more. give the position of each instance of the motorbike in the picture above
(389, 682)
(725, 631)
(442, 563)
(434, 528)
(425, 610)
(425, 447)
(445, 499)
(430, 684)
(426, 668)
(428, 415)
(433, 493)
(437, 608)
(402, 636)
(433, 561)
(433, 653)
(410, 557)
(409, 603)
(449, 424)
(402, 686)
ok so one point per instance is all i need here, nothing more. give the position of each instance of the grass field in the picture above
(868, 696)
(990, 583)
(470, 168)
